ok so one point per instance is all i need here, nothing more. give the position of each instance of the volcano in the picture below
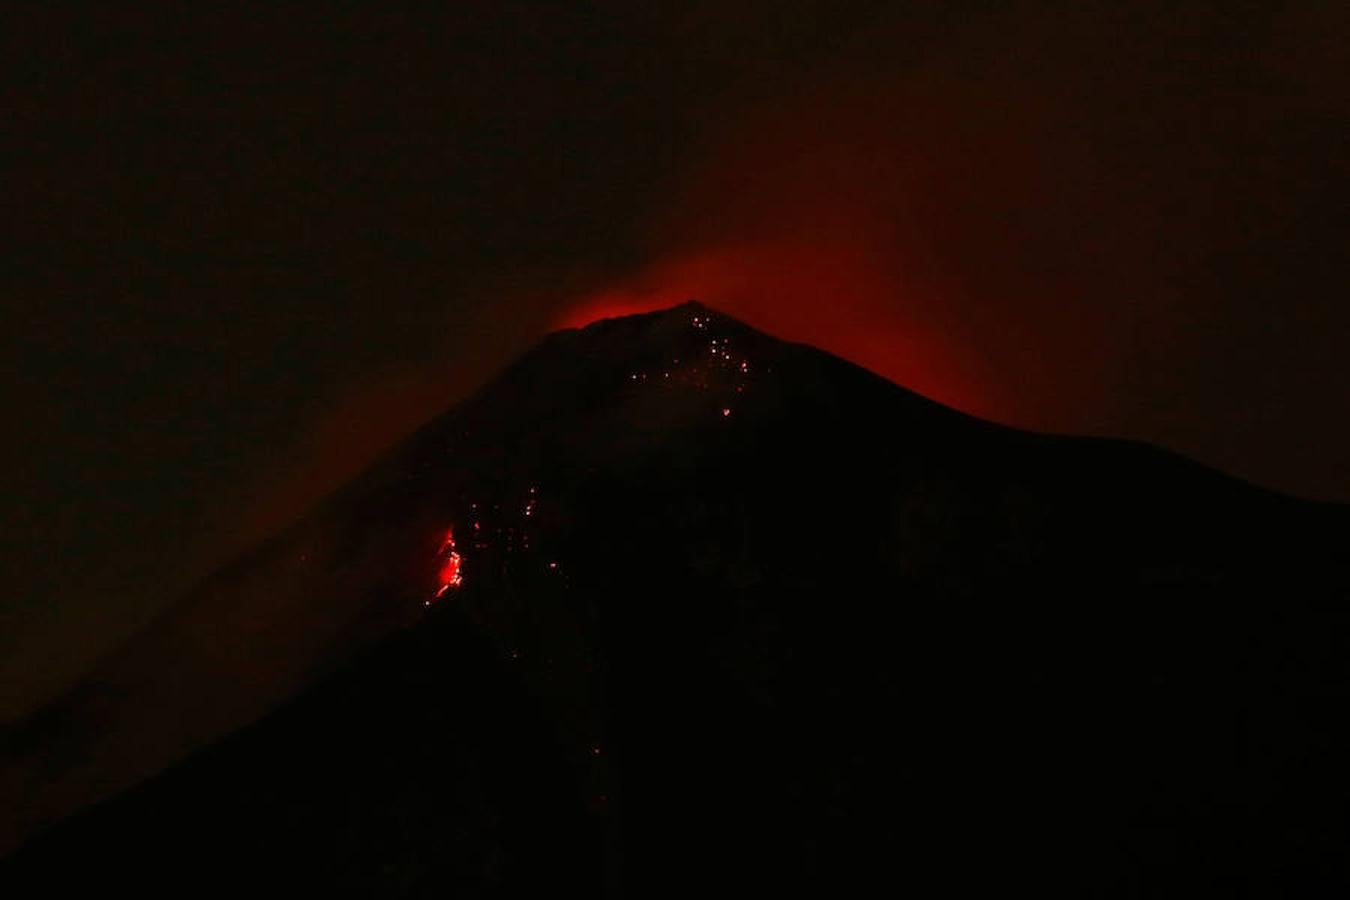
(674, 608)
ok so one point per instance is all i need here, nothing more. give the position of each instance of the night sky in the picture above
(250, 250)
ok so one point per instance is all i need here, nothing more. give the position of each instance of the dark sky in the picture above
(251, 249)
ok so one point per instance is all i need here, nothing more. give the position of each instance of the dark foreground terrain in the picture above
(737, 618)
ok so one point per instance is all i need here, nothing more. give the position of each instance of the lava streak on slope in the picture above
(448, 575)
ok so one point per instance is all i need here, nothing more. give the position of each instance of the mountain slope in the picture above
(734, 613)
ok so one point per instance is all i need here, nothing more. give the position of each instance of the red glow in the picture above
(448, 575)
(864, 218)
(827, 293)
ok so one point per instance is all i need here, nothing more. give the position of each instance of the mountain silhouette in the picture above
(672, 607)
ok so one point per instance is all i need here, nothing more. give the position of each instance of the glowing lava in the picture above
(448, 575)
